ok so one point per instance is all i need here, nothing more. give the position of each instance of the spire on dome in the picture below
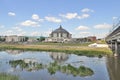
(60, 27)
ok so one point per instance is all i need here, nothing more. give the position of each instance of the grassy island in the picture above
(5, 76)
(53, 68)
(79, 49)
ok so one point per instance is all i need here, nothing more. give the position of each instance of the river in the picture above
(36, 65)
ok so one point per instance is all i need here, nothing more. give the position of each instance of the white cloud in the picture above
(85, 34)
(47, 33)
(69, 15)
(82, 28)
(23, 33)
(2, 26)
(74, 15)
(102, 35)
(87, 10)
(83, 16)
(36, 33)
(17, 29)
(36, 17)
(114, 18)
(29, 23)
(9, 32)
(103, 26)
(11, 14)
(53, 19)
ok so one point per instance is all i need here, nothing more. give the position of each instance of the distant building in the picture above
(59, 35)
(32, 39)
(15, 38)
(83, 40)
(92, 38)
(80, 40)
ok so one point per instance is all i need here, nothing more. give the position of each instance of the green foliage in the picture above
(81, 71)
(58, 47)
(2, 39)
(39, 66)
(63, 44)
(41, 39)
(84, 71)
(26, 38)
(101, 41)
(53, 68)
(69, 69)
(21, 63)
(5, 76)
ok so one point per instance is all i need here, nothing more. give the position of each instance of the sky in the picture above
(81, 18)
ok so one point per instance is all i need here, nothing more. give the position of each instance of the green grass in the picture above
(5, 76)
(56, 47)
(53, 68)
(64, 44)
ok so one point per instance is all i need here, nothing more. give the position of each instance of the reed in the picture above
(5, 76)
(79, 50)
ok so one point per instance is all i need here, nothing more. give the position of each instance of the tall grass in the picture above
(5, 76)
(64, 44)
(53, 68)
(79, 50)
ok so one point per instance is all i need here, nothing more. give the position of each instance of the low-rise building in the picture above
(92, 38)
(15, 38)
(59, 35)
(32, 39)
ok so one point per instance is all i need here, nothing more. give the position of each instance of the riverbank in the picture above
(76, 49)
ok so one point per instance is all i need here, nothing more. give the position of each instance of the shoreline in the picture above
(78, 50)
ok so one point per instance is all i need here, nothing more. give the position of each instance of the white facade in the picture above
(15, 38)
(59, 35)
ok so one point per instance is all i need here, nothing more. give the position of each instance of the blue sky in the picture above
(39, 17)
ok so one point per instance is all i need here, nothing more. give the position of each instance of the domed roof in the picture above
(60, 30)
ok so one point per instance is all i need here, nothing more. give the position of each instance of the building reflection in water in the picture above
(113, 65)
(59, 57)
(14, 52)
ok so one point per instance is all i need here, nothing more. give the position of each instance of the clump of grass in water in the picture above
(53, 68)
(5, 76)
(84, 71)
(69, 69)
(81, 71)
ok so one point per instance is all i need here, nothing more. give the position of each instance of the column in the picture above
(111, 46)
(116, 49)
(59, 35)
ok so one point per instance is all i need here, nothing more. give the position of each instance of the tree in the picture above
(26, 38)
(2, 39)
(41, 39)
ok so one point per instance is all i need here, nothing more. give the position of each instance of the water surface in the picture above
(35, 65)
